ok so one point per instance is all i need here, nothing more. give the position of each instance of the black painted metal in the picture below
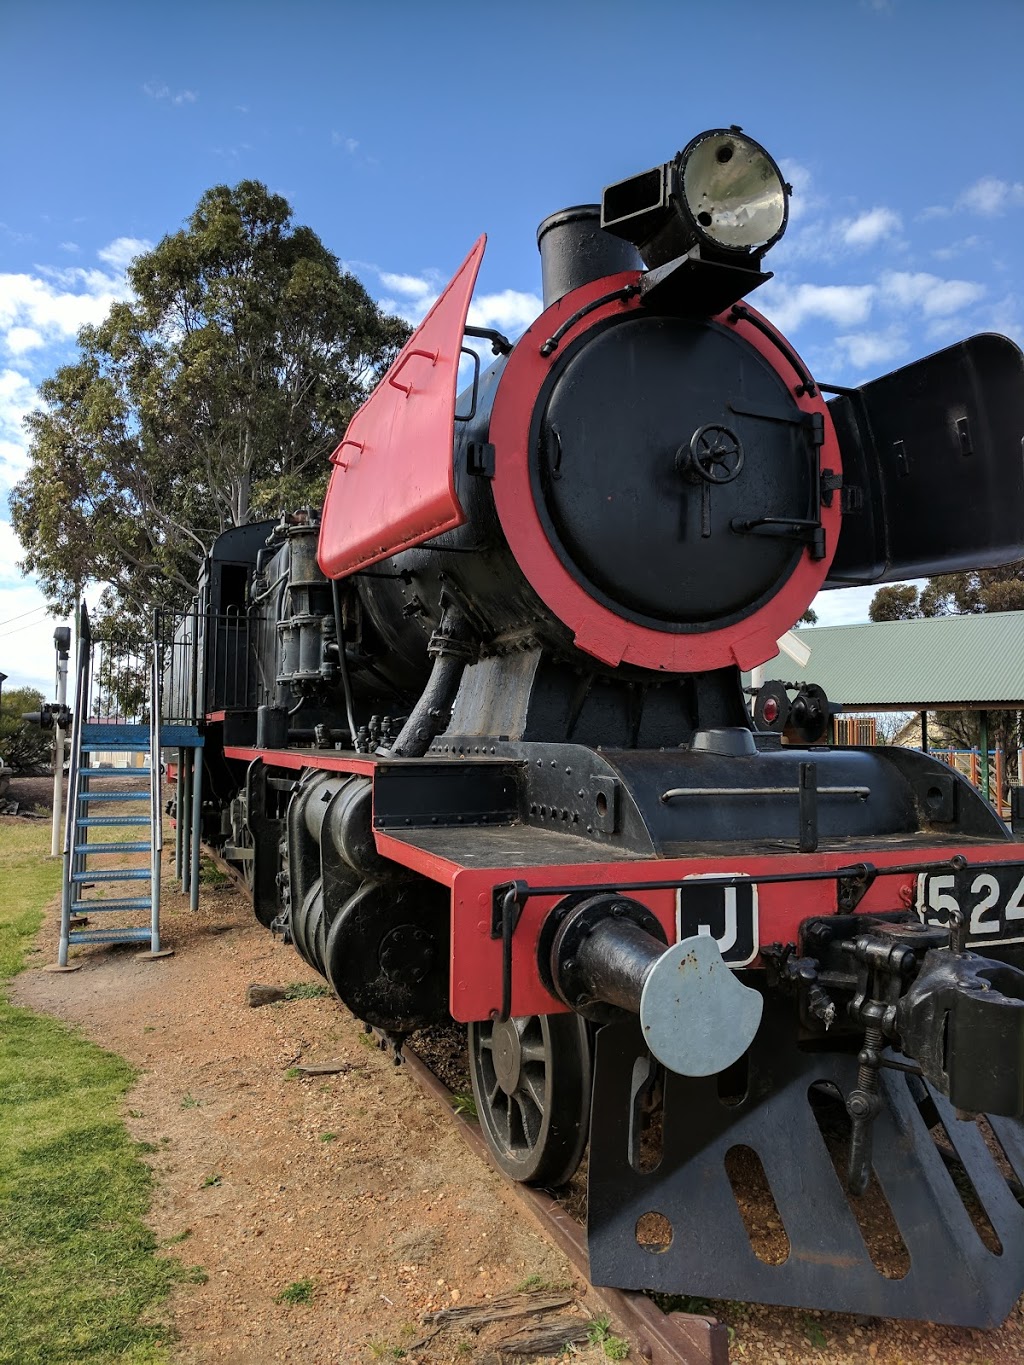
(266, 825)
(386, 954)
(531, 1080)
(574, 250)
(601, 952)
(902, 448)
(452, 646)
(963, 1020)
(953, 1278)
(609, 491)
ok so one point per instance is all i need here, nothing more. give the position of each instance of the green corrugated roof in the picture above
(915, 665)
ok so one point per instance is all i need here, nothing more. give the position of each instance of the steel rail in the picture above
(658, 1337)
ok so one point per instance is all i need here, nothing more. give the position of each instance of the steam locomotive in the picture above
(478, 735)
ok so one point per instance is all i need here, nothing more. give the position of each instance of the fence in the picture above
(969, 762)
(856, 730)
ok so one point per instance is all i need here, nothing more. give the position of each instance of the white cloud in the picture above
(868, 229)
(511, 310)
(28, 301)
(990, 196)
(841, 607)
(159, 90)
(69, 246)
(350, 144)
(26, 628)
(870, 350)
(17, 400)
(789, 306)
(412, 286)
(934, 296)
(21, 339)
(123, 250)
(52, 305)
(958, 248)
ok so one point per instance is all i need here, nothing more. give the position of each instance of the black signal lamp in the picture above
(703, 221)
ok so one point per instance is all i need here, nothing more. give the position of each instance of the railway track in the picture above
(655, 1336)
(661, 1338)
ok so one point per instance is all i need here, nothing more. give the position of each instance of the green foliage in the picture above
(306, 990)
(814, 1334)
(212, 1180)
(211, 398)
(600, 1334)
(78, 1278)
(299, 1291)
(895, 602)
(24, 748)
(211, 875)
(465, 1104)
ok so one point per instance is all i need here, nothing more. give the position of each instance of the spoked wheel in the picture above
(531, 1079)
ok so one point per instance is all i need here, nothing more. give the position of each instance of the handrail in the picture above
(156, 838)
(83, 685)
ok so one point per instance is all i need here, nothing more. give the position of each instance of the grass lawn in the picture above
(78, 1277)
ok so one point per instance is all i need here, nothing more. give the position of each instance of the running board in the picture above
(704, 1249)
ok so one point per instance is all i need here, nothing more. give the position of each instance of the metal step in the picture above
(114, 772)
(109, 936)
(113, 874)
(126, 847)
(92, 907)
(114, 747)
(113, 796)
(107, 821)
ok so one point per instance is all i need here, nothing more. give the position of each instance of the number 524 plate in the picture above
(991, 900)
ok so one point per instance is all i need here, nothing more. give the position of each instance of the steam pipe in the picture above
(452, 646)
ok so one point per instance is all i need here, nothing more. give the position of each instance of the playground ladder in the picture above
(100, 815)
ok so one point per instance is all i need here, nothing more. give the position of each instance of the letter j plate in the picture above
(728, 914)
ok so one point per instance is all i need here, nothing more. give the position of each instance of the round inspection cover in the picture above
(386, 954)
(650, 612)
(641, 470)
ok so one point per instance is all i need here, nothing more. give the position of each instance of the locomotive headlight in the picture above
(732, 192)
(722, 201)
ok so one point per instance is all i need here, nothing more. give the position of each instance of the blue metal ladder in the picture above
(94, 804)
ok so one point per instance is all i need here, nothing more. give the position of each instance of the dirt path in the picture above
(350, 1181)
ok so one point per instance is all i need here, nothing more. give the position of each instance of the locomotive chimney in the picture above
(575, 249)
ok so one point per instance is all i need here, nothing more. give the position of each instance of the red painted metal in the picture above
(297, 759)
(393, 478)
(782, 906)
(598, 630)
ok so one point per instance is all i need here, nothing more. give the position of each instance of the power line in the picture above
(31, 612)
(27, 626)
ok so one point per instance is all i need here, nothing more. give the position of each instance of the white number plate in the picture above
(991, 900)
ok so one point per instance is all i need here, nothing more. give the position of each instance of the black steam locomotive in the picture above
(478, 735)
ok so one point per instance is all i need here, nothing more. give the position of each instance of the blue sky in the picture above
(400, 132)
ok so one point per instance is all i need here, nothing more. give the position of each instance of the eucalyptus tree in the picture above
(211, 397)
